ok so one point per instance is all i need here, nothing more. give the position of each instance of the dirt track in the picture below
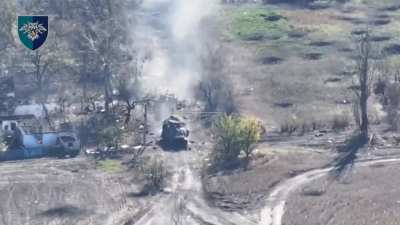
(184, 202)
(275, 209)
(51, 191)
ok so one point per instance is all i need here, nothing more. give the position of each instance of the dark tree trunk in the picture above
(364, 73)
(107, 89)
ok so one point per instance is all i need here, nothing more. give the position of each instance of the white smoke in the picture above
(171, 38)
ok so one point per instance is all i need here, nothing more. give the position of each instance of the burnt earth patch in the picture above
(283, 104)
(332, 80)
(297, 34)
(348, 9)
(271, 60)
(359, 32)
(312, 56)
(382, 16)
(273, 18)
(354, 87)
(391, 8)
(393, 49)
(321, 43)
(350, 19)
(63, 211)
(346, 73)
(381, 38)
(381, 22)
(358, 22)
(345, 49)
(319, 5)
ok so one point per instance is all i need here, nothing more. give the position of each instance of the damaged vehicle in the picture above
(20, 142)
(174, 133)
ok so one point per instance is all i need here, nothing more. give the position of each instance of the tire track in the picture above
(274, 210)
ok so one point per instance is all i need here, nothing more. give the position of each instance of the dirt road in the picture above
(51, 191)
(274, 210)
(184, 202)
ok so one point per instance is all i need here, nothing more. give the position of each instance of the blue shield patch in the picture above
(33, 30)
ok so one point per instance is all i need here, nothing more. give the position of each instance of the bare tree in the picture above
(128, 95)
(214, 89)
(364, 75)
(7, 12)
(41, 63)
(102, 43)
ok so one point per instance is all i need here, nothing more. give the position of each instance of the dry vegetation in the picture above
(283, 87)
(330, 202)
(302, 82)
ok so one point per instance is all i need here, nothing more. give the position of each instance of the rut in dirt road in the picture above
(184, 203)
(274, 210)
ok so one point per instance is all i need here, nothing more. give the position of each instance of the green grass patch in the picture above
(256, 23)
(110, 166)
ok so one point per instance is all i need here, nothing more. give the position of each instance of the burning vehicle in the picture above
(174, 133)
(20, 141)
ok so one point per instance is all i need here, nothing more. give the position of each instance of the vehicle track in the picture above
(274, 210)
(185, 191)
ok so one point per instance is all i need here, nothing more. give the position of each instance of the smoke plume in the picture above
(171, 38)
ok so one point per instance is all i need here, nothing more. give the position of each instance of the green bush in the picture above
(236, 135)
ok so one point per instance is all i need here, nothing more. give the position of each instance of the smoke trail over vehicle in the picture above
(171, 36)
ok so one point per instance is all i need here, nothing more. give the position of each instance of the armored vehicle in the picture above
(174, 133)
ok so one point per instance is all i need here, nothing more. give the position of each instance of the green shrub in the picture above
(236, 135)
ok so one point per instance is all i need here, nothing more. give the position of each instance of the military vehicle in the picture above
(174, 133)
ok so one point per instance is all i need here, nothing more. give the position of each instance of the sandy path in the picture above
(274, 210)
